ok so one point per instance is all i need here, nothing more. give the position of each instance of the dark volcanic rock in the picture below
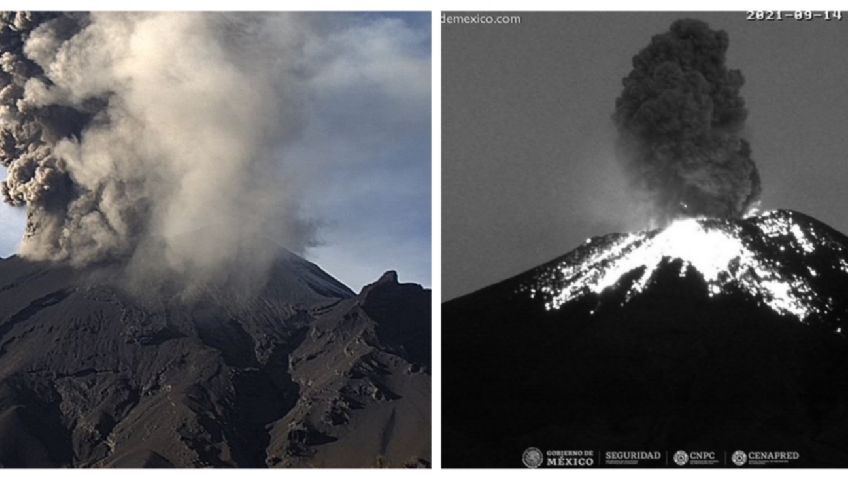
(307, 373)
(362, 366)
(662, 359)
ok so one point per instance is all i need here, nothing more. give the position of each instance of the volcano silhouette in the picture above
(710, 334)
(306, 373)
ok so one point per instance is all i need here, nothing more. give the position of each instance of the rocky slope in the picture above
(709, 334)
(307, 373)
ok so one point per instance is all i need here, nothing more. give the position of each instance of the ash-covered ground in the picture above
(305, 373)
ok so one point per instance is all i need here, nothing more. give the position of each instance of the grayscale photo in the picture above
(644, 259)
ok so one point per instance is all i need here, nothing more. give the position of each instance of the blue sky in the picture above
(12, 222)
(368, 145)
(364, 152)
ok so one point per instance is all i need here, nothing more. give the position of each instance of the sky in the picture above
(370, 149)
(362, 153)
(528, 168)
(12, 221)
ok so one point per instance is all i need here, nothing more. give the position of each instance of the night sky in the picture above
(528, 165)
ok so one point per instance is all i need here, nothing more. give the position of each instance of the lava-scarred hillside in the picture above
(709, 334)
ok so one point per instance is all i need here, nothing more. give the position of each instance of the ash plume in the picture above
(125, 133)
(680, 119)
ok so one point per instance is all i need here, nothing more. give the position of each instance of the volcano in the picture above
(709, 334)
(304, 373)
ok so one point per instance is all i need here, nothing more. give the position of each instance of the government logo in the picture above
(532, 457)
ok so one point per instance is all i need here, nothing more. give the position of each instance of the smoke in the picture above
(150, 138)
(680, 119)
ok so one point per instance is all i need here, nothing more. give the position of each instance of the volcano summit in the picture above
(306, 373)
(150, 316)
(710, 333)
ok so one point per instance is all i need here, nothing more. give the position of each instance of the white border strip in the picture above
(420, 5)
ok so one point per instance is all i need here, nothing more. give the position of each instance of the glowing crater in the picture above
(715, 249)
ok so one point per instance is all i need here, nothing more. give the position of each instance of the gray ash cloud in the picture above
(124, 132)
(36, 177)
(680, 120)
